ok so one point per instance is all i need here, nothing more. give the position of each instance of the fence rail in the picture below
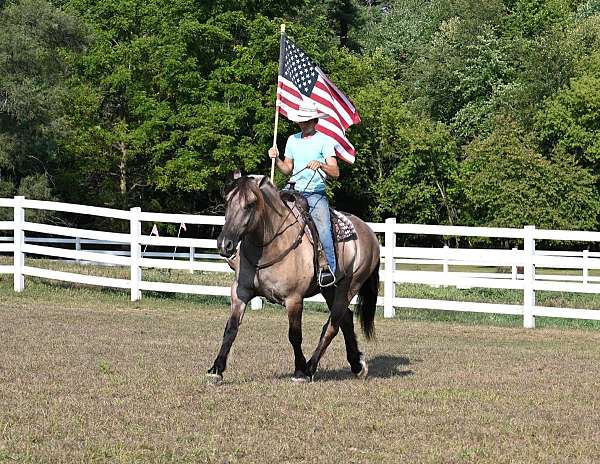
(516, 269)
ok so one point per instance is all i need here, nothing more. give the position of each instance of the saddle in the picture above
(343, 228)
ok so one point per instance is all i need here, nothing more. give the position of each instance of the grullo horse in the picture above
(273, 257)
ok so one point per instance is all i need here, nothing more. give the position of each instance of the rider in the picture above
(306, 153)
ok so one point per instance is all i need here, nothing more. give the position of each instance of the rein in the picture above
(277, 234)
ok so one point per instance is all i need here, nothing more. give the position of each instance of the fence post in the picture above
(192, 253)
(445, 264)
(528, 278)
(77, 247)
(389, 287)
(514, 267)
(135, 229)
(256, 303)
(586, 271)
(19, 241)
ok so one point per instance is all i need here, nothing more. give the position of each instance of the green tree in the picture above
(34, 37)
(547, 61)
(570, 120)
(172, 98)
(401, 29)
(458, 78)
(531, 18)
(343, 16)
(506, 182)
(407, 163)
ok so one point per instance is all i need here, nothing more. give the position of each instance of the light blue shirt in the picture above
(303, 150)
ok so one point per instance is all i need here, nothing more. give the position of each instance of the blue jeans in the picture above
(318, 207)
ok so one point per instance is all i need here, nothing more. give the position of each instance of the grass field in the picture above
(87, 376)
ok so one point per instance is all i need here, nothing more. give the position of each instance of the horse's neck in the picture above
(278, 221)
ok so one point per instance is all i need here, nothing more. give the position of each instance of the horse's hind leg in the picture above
(294, 310)
(354, 356)
(358, 365)
(330, 330)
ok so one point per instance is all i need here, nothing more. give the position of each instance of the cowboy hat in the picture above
(307, 111)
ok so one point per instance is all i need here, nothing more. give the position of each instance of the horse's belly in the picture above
(277, 287)
(273, 297)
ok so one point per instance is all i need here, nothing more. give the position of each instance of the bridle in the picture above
(278, 233)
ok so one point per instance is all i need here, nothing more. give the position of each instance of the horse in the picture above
(272, 257)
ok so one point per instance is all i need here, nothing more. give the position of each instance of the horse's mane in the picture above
(248, 186)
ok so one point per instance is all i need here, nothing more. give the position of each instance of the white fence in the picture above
(439, 260)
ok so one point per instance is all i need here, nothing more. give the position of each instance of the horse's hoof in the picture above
(364, 372)
(301, 379)
(214, 379)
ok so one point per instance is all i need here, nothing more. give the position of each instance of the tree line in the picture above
(473, 112)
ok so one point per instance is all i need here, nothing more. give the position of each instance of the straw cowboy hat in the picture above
(307, 111)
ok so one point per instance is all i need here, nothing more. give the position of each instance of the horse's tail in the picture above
(366, 304)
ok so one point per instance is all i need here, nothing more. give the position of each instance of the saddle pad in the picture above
(343, 228)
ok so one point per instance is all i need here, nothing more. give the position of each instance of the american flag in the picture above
(301, 80)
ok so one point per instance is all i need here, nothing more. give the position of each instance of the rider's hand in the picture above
(273, 152)
(314, 165)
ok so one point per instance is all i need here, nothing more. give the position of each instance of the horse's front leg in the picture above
(238, 306)
(294, 310)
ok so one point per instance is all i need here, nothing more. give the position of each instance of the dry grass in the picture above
(87, 376)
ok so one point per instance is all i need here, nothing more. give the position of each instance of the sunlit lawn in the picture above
(88, 376)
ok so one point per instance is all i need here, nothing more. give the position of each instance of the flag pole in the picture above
(277, 101)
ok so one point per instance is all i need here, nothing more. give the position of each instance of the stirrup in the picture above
(328, 273)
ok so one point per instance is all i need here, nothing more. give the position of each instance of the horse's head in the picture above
(246, 202)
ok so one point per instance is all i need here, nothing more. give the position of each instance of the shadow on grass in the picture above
(387, 366)
(380, 367)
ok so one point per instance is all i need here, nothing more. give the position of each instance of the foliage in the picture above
(532, 17)
(155, 104)
(570, 120)
(342, 16)
(170, 101)
(464, 68)
(507, 183)
(401, 31)
(410, 159)
(34, 36)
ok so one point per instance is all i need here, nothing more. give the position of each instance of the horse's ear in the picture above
(229, 186)
(237, 174)
(263, 181)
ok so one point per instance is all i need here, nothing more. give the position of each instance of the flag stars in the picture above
(299, 68)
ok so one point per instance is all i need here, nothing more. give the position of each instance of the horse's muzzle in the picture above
(227, 248)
